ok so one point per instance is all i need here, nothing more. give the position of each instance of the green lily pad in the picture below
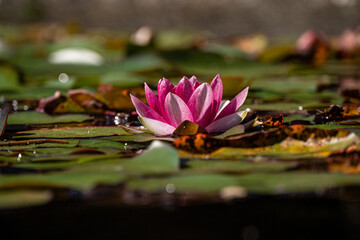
(295, 182)
(80, 178)
(238, 129)
(259, 183)
(24, 198)
(352, 128)
(292, 149)
(122, 79)
(43, 118)
(159, 158)
(100, 143)
(210, 183)
(233, 167)
(139, 137)
(32, 145)
(298, 117)
(75, 132)
(9, 79)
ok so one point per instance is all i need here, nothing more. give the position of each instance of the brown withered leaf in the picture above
(69, 106)
(117, 98)
(335, 112)
(76, 101)
(202, 143)
(87, 100)
(188, 128)
(199, 143)
(47, 105)
(271, 121)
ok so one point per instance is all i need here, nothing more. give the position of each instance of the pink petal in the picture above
(152, 99)
(157, 127)
(200, 104)
(177, 110)
(234, 104)
(184, 89)
(144, 111)
(194, 81)
(217, 88)
(164, 87)
(225, 123)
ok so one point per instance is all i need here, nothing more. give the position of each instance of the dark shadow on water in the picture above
(265, 218)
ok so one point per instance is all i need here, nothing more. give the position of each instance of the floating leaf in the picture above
(238, 129)
(159, 158)
(117, 98)
(42, 118)
(188, 128)
(306, 139)
(138, 137)
(99, 143)
(82, 177)
(37, 143)
(234, 167)
(293, 149)
(211, 183)
(24, 198)
(75, 132)
(9, 79)
(295, 182)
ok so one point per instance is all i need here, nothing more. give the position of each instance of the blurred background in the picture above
(221, 17)
(49, 47)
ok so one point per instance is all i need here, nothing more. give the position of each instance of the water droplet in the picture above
(34, 152)
(125, 146)
(248, 110)
(26, 108)
(19, 157)
(121, 119)
(15, 105)
(300, 108)
(170, 188)
(117, 120)
(89, 131)
(63, 77)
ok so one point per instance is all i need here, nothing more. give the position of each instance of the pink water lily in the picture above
(192, 101)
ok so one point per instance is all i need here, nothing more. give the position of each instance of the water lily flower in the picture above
(192, 101)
